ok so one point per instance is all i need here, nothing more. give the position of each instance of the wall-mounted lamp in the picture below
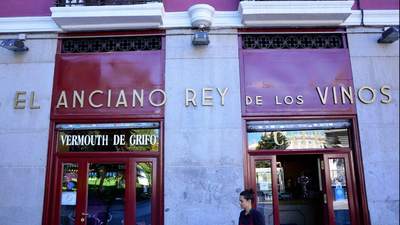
(14, 45)
(200, 38)
(201, 16)
(390, 35)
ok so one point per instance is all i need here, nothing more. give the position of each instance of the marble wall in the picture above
(377, 65)
(203, 144)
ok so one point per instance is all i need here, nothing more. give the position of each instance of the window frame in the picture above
(51, 209)
(359, 201)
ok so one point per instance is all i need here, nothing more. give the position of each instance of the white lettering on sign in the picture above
(119, 139)
(98, 98)
(345, 94)
(389, 97)
(102, 140)
(84, 140)
(143, 139)
(18, 100)
(207, 100)
(95, 97)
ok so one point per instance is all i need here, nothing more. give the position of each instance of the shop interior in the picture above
(299, 189)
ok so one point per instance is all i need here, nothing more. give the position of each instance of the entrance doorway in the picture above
(106, 174)
(303, 189)
(303, 171)
(300, 190)
(106, 192)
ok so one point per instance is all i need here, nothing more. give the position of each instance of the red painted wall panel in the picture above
(282, 73)
(219, 5)
(21, 8)
(109, 71)
(379, 4)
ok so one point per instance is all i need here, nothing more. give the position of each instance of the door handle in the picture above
(84, 214)
(325, 200)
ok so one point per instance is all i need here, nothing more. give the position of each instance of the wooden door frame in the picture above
(253, 183)
(350, 187)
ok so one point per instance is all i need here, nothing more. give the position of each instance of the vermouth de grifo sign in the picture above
(105, 140)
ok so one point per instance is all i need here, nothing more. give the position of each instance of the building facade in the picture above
(113, 116)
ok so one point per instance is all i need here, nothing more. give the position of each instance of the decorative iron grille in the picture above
(290, 41)
(111, 44)
(68, 3)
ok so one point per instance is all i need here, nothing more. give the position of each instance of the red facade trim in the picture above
(22, 8)
(89, 72)
(106, 83)
(271, 72)
(219, 5)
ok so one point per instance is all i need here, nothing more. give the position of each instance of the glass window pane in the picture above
(106, 193)
(68, 195)
(304, 134)
(264, 190)
(300, 139)
(109, 140)
(339, 191)
(144, 174)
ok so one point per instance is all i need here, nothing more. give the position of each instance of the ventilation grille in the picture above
(88, 45)
(306, 41)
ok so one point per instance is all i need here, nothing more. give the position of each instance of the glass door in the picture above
(106, 191)
(68, 189)
(340, 191)
(264, 176)
(291, 189)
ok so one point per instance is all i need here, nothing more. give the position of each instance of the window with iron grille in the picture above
(292, 41)
(122, 44)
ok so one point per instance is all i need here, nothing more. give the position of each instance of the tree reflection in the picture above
(273, 140)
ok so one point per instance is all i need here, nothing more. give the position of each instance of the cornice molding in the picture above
(143, 16)
(381, 17)
(294, 13)
(170, 20)
(28, 24)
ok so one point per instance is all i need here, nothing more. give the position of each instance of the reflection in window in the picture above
(301, 134)
(339, 191)
(143, 193)
(303, 139)
(106, 192)
(68, 195)
(264, 190)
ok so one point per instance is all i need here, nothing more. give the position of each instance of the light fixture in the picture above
(390, 35)
(200, 38)
(14, 45)
(201, 17)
